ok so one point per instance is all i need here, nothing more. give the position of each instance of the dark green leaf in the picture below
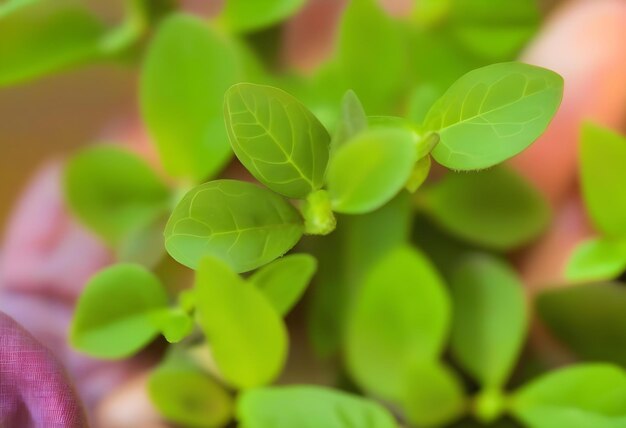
(495, 208)
(238, 222)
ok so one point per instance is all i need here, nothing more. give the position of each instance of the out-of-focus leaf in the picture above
(284, 281)
(186, 395)
(364, 60)
(36, 42)
(187, 70)
(421, 99)
(113, 191)
(490, 319)
(371, 169)
(247, 337)
(495, 208)
(589, 319)
(174, 323)
(115, 315)
(602, 157)
(238, 222)
(352, 120)
(582, 396)
(277, 139)
(399, 318)
(245, 15)
(419, 174)
(309, 407)
(143, 244)
(434, 396)
(597, 259)
(492, 113)
(8, 7)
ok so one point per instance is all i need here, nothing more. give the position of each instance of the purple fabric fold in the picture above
(34, 389)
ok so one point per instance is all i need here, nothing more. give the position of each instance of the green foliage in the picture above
(187, 69)
(597, 259)
(602, 160)
(113, 191)
(11, 6)
(186, 395)
(174, 323)
(247, 337)
(117, 312)
(490, 319)
(583, 396)
(309, 407)
(37, 42)
(238, 222)
(277, 139)
(369, 170)
(246, 15)
(434, 395)
(352, 120)
(284, 280)
(495, 208)
(405, 291)
(589, 319)
(493, 113)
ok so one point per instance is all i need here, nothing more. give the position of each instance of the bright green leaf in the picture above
(284, 281)
(496, 208)
(597, 259)
(309, 407)
(115, 314)
(11, 6)
(490, 319)
(113, 191)
(493, 113)
(238, 222)
(277, 139)
(589, 319)
(602, 159)
(434, 396)
(143, 244)
(245, 15)
(582, 396)
(247, 337)
(174, 323)
(399, 318)
(184, 394)
(37, 42)
(419, 174)
(370, 170)
(187, 70)
(352, 120)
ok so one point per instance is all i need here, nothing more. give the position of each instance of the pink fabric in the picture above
(34, 390)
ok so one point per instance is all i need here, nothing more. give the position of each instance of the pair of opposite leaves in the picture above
(486, 317)
(487, 116)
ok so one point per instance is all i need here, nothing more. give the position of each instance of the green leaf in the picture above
(309, 407)
(144, 244)
(602, 160)
(434, 395)
(352, 121)
(370, 170)
(496, 208)
(490, 319)
(113, 191)
(187, 70)
(597, 259)
(115, 314)
(186, 395)
(238, 222)
(244, 16)
(582, 396)
(399, 318)
(174, 323)
(493, 113)
(11, 6)
(419, 174)
(37, 42)
(247, 337)
(284, 281)
(277, 139)
(364, 60)
(589, 319)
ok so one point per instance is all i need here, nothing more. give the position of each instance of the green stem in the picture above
(318, 214)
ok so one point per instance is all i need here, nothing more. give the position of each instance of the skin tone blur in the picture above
(582, 40)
